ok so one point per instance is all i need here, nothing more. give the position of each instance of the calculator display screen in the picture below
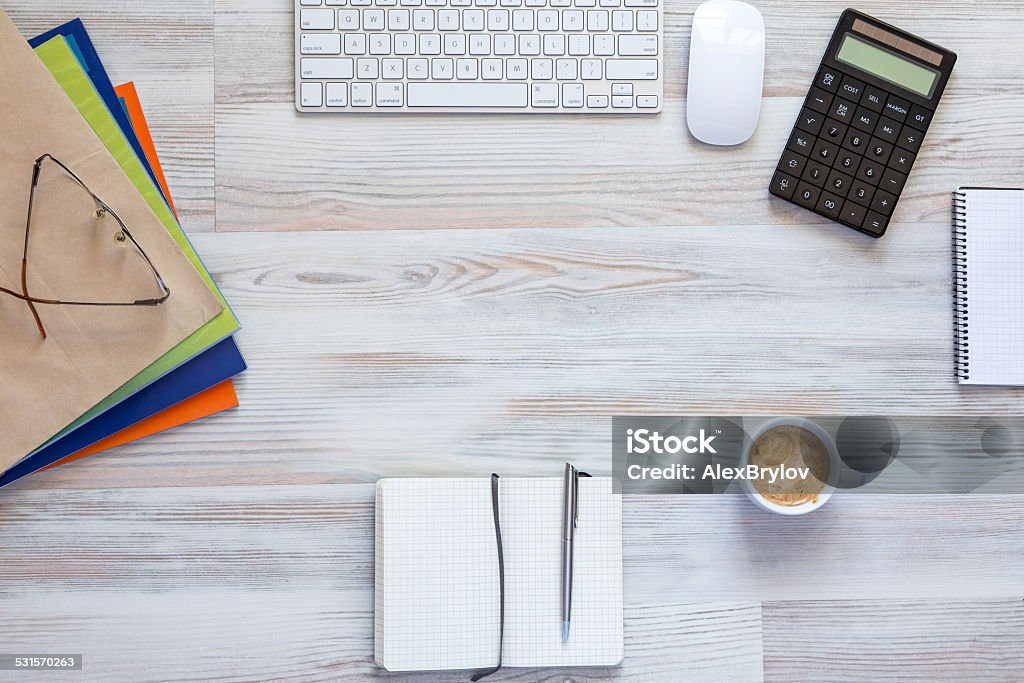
(887, 65)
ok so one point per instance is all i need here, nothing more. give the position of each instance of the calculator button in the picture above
(919, 117)
(853, 214)
(892, 181)
(861, 192)
(902, 160)
(888, 130)
(879, 150)
(896, 108)
(833, 131)
(806, 195)
(838, 183)
(870, 172)
(800, 142)
(828, 79)
(810, 121)
(818, 100)
(825, 152)
(792, 163)
(841, 110)
(851, 89)
(883, 203)
(873, 98)
(783, 185)
(865, 119)
(847, 162)
(875, 223)
(815, 173)
(829, 205)
(856, 141)
(910, 139)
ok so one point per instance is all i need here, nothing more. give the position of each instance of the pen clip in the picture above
(576, 474)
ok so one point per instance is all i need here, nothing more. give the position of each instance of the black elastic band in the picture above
(501, 580)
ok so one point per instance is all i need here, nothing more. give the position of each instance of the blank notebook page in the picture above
(995, 285)
(437, 591)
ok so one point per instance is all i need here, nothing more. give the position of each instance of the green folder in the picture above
(67, 70)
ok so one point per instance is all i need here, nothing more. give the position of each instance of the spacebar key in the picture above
(467, 95)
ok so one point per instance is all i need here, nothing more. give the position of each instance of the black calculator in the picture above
(863, 122)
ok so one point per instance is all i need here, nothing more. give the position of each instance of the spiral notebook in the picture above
(437, 603)
(988, 240)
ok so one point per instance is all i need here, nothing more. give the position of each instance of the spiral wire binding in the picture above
(961, 342)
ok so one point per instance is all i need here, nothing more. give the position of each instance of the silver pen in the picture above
(570, 518)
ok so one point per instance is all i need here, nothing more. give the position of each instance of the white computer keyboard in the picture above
(478, 55)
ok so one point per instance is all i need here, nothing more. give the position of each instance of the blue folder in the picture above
(217, 364)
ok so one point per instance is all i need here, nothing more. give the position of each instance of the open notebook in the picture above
(436, 575)
(988, 229)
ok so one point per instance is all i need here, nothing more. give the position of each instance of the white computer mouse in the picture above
(723, 101)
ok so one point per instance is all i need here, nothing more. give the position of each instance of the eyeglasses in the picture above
(122, 237)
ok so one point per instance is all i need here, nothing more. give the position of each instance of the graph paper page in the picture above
(995, 286)
(437, 602)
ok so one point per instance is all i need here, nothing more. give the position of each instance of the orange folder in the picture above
(205, 403)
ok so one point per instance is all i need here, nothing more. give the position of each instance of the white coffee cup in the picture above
(833, 471)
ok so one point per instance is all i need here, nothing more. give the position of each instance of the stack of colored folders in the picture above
(191, 380)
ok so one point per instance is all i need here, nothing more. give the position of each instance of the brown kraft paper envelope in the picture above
(90, 351)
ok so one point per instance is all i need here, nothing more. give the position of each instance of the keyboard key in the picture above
(389, 94)
(542, 70)
(892, 181)
(809, 120)
(806, 195)
(828, 79)
(895, 108)
(622, 20)
(362, 94)
(418, 69)
(861, 192)
(853, 214)
(392, 68)
(466, 69)
(598, 101)
(873, 98)
(398, 19)
(919, 117)
(910, 139)
(622, 101)
(355, 43)
(316, 19)
(604, 45)
(341, 67)
(842, 110)
(870, 172)
(865, 119)
(800, 142)
(792, 163)
(631, 69)
(544, 94)
(496, 95)
(442, 69)
(320, 44)
(348, 19)
(647, 101)
(879, 150)
(312, 95)
(638, 46)
(851, 89)
(367, 68)
(818, 100)
(847, 161)
(622, 88)
(814, 173)
(875, 223)
(829, 205)
(839, 183)
(572, 94)
(833, 131)
(568, 70)
(825, 152)
(646, 20)
(883, 203)
(888, 130)
(902, 160)
(783, 185)
(856, 140)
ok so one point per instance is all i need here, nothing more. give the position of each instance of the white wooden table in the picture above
(393, 329)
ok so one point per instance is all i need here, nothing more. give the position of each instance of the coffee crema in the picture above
(791, 447)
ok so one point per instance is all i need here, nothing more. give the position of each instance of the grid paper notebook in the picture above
(988, 229)
(436, 595)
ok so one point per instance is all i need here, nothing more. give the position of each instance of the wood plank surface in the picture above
(240, 547)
